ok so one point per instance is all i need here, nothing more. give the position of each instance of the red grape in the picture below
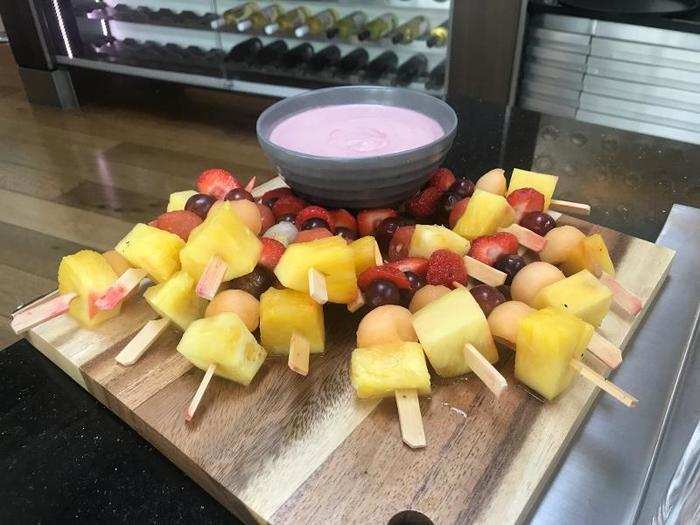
(238, 194)
(255, 283)
(315, 222)
(487, 297)
(200, 204)
(382, 292)
(346, 233)
(463, 188)
(510, 264)
(538, 222)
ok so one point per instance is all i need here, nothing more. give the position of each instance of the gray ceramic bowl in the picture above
(368, 182)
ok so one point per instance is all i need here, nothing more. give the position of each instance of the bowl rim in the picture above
(356, 161)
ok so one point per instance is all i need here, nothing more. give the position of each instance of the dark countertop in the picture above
(67, 458)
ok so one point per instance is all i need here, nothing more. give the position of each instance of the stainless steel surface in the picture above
(660, 76)
(638, 126)
(602, 477)
(646, 53)
(659, 95)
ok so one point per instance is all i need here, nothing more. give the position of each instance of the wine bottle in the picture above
(348, 26)
(383, 64)
(325, 58)
(379, 27)
(409, 31)
(413, 68)
(288, 21)
(438, 35)
(353, 61)
(297, 55)
(271, 53)
(436, 78)
(318, 23)
(244, 51)
(259, 19)
(231, 17)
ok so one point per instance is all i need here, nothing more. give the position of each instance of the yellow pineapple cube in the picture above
(225, 341)
(331, 256)
(153, 250)
(446, 325)
(176, 299)
(592, 255)
(283, 312)
(428, 238)
(88, 274)
(364, 252)
(177, 200)
(541, 182)
(547, 342)
(378, 371)
(222, 234)
(485, 214)
(581, 295)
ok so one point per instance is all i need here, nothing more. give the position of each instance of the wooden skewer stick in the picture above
(598, 380)
(211, 278)
(483, 272)
(575, 208)
(122, 287)
(251, 184)
(141, 342)
(357, 303)
(604, 350)
(317, 286)
(410, 418)
(30, 317)
(526, 238)
(484, 370)
(299, 350)
(199, 394)
(628, 301)
(34, 303)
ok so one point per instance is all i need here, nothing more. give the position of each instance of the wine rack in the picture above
(271, 48)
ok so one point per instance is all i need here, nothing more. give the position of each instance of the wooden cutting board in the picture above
(290, 449)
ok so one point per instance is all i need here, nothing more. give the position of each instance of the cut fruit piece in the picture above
(217, 182)
(489, 248)
(592, 255)
(283, 312)
(177, 200)
(364, 251)
(541, 182)
(153, 250)
(428, 238)
(485, 214)
(176, 300)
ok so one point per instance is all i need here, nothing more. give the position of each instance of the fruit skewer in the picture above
(545, 184)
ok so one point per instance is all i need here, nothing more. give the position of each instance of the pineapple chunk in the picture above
(547, 341)
(89, 275)
(446, 325)
(331, 256)
(222, 234)
(363, 252)
(153, 250)
(541, 182)
(177, 200)
(426, 239)
(592, 255)
(581, 295)
(176, 299)
(378, 371)
(485, 213)
(225, 341)
(283, 312)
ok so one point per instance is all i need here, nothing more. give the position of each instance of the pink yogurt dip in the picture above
(355, 130)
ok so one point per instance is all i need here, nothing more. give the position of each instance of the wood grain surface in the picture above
(290, 449)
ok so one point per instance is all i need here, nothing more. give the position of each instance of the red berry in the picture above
(416, 265)
(385, 273)
(367, 220)
(312, 235)
(216, 182)
(266, 216)
(287, 204)
(314, 212)
(425, 203)
(442, 179)
(457, 211)
(181, 223)
(269, 198)
(446, 267)
(400, 243)
(489, 248)
(272, 251)
(525, 200)
(344, 219)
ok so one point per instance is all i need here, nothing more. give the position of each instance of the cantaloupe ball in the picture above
(117, 261)
(530, 280)
(386, 324)
(426, 295)
(560, 242)
(249, 214)
(238, 302)
(504, 320)
(493, 181)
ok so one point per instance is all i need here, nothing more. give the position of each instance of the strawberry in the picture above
(489, 248)
(288, 204)
(367, 220)
(312, 235)
(217, 182)
(525, 200)
(417, 265)
(181, 222)
(400, 243)
(425, 203)
(457, 211)
(385, 273)
(446, 267)
(442, 179)
(272, 251)
(344, 219)
(314, 212)
(266, 217)
(269, 198)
